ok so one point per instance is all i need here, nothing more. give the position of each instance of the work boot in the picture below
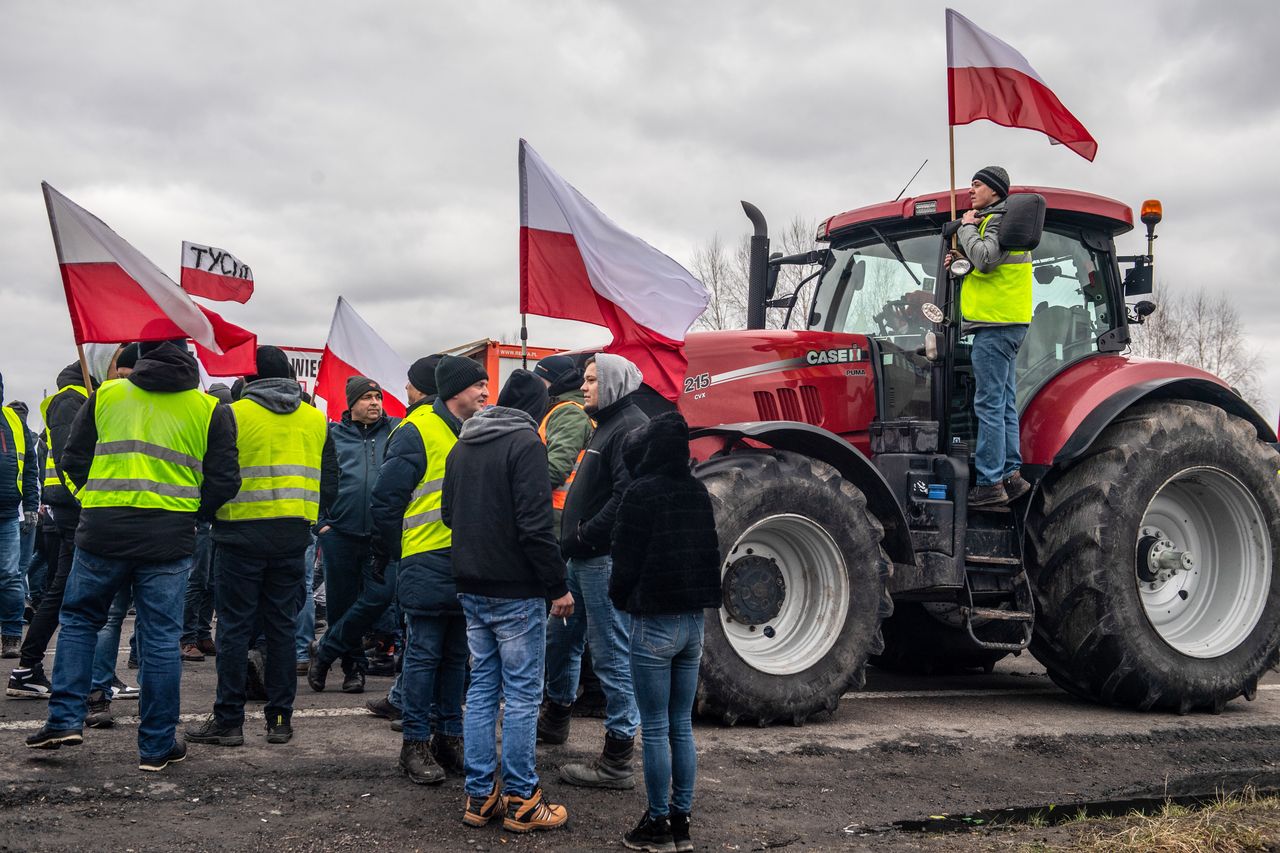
(611, 770)
(481, 810)
(48, 738)
(279, 729)
(10, 647)
(318, 671)
(29, 683)
(553, 722)
(173, 756)
(191, 653)
(214, 733)
(206, 645)
(419, 764)
(533, 813)
(448, 753)
(1015, 487)
(353, 682)
(99, 716)
(680, 831)
(652, 834)
(993, 495)
(383, 708)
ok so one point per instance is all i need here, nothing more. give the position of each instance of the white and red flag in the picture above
(988, 79)
(576, 264)
(354, 348)
(215, 274)
(116, 294)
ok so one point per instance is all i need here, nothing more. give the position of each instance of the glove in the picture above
(378, 560)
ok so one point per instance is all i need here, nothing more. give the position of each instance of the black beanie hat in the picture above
(272, 364)
(422, 374)
(525, 392)
(455, 374)
(237, 389)
(219, 390)
(561, 372)
(145, 348)
(995, 177)
(128, 356)
(358, 386)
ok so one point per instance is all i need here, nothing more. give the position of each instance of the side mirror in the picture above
(1023, 222)
(1138, 279)
(771, 278)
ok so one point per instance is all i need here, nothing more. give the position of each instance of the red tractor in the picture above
(1140, 570)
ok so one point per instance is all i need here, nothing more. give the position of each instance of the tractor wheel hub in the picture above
(1159, 559)
(754, 589)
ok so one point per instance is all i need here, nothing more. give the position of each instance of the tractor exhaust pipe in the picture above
(758, 267)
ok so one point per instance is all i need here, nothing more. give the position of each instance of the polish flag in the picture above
(215, 274)
(239, 356)
(355, 349)
(988, 79)
(576, 264)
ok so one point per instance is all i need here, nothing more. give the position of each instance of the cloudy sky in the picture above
(369, 149)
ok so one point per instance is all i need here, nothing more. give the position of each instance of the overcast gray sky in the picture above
(369, 149)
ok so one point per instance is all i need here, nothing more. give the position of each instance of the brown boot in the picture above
(528, 815)
(1015, 486)
(481, 810)
(191, 652)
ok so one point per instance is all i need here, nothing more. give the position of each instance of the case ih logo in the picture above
(833, 356)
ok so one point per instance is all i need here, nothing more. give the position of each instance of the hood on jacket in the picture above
(166, 368)
(526, 392)
(616, 377)
(71, 375)
(494, 422)
(659, 447)
(276, 394)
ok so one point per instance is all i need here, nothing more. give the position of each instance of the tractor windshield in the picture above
(878, 286)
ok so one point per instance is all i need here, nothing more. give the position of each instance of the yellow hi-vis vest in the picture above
(19, 441)
(150, 450)
(279, 463)
(52, 477)
(422, 529)
(1002, 295)
(561, 492)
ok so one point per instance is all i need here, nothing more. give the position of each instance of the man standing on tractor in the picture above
(995, 302)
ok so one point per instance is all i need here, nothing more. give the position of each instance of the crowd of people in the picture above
(487, 548)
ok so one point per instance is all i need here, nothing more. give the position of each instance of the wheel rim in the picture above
(811, 613)
(1203, 565)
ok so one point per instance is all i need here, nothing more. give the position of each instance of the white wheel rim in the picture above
(815, 604)
(1211, 608)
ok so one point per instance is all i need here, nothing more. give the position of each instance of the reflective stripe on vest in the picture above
(19, 441)
(422, 529)
(1002, 295)
(279, 463)
(164, 470)
(52, 477)
(561, 492)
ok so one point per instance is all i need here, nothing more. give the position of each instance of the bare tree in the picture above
(1203, 329)
(726, 273)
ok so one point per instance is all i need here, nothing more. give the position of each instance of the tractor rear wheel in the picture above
(1152, 560)
(804, 589)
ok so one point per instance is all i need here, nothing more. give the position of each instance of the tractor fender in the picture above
(830, 448)
(1070, 411)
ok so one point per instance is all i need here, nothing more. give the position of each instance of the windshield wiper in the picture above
(897, 253)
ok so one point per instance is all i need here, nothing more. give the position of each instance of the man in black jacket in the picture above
(19, 487)
(506, 566)
(608, 388)
(151, 454)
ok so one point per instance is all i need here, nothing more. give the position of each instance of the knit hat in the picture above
(358, 386)
(422, 374)
(219, 390)
(21, 408)
(455, 374)
(995, 177)
(561, 372)
(525, 392)
(145, 348)
(237, 389)
(272, 363)
(128, 356)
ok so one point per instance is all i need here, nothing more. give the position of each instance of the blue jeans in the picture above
(665, 653)
(158, 590)
(197, 609)
(26, 547)
(12, 599)
(434, 671)
(995, 402)
(306, 628)
(104, 657)
(595, 620)
(507, 638)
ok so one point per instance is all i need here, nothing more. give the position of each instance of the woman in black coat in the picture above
(666, 569)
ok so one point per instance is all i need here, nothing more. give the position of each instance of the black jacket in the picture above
(592, 502)
(353, 453)
(31, 474)
(497, 500)
(154, 535)
(268, 537)
(61, 413)
(666, 556)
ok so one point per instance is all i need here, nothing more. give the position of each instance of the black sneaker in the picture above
(419, 764)
(173, 756)
(278, 729)
(383, 708)
(29, 684)
(99, 716)
(353, 682)
(680, 831)
(48, 738)
(652, 834)
(213, 733)
(993, 495)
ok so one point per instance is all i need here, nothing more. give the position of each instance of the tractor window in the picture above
(869, 290)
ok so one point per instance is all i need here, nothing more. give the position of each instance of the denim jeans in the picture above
(158, 590)
(596, 621)
(197, 610)
(12, 587)
(435, 671)
(345, 637)
(305, 631)
(45, 622)
(344, 559)
(256, 593)
(994, 401)
(665, 653)
(507, 638)
(104, 657)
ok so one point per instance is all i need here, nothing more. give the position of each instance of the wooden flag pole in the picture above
(524, 340)
(84, 368)
(951, 139)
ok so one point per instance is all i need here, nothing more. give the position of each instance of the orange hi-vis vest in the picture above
(561, 492)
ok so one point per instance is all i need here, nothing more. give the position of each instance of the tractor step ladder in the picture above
(993, 564)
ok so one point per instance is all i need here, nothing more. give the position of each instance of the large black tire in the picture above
(921, 643)
(757, 495)
(1093, 632)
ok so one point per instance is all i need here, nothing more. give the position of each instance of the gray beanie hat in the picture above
(995, 177)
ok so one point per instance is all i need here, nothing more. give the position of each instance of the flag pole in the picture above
(951, 144)
(524, 340)
(84, 367)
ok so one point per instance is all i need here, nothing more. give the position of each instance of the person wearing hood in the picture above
(609, 386)
(353, 453)
(565, 428)
(262, 535)
(19, 489)
(666, 571)
(150, 455)
(507, 568)
(406, 517)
